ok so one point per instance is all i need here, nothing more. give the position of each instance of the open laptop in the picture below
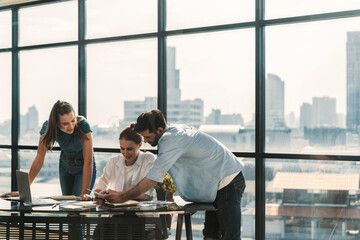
(25, 193)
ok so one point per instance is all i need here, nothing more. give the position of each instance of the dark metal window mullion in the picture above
(259, 121)
(15, 97)
(162, 86)
(82, 81)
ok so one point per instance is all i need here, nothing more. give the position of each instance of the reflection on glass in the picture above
(5, 170)
(56, 22)
(5, 98)
(200, 13)
(211, 85)
(122, 83)
(46, 76)
(46, 182)
(115, 17)
(307, 7)
(5, 29)
(311, 87)
(312, 199)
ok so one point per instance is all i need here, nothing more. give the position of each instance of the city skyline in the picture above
(323, 60)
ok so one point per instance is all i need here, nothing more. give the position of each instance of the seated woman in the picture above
(124, 171)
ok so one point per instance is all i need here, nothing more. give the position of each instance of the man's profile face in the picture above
(151, 138)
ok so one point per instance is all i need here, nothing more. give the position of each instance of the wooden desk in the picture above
(26, 222)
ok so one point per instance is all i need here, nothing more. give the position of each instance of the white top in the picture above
(119, 177)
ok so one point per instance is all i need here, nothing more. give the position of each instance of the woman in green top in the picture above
(77, 167)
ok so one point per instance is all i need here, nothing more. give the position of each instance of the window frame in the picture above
(259, 24)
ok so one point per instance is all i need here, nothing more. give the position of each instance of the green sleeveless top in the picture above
(70, 144)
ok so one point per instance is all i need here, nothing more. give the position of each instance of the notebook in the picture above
(25, 192)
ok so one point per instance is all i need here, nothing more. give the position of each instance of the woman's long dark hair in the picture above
(60, 108)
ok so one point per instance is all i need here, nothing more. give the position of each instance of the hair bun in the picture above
(132, 126)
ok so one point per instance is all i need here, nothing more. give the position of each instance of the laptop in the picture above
(25, 193)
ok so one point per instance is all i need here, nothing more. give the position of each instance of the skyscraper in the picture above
(353, 81)
(190, 112)
(305, 115)
(173, 88)
(323, 112)
(274, 102)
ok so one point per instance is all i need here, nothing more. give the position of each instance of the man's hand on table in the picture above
(113, 196)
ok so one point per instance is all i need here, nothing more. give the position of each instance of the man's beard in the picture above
(156, 140)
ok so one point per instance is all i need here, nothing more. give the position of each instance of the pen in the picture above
(55, 205)
(102, 195)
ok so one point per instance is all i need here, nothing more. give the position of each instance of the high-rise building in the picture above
(274, 108)
(190, 112)
(173, 75)
(353, 81)
(216, 118)
(32, 118)
(323, 112)
(30, 121)
(305, 115)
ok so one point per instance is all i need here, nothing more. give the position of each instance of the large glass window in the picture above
(5, 29)
(47, 181)
(5, 98)
(5, 170)
(211, 85)
(46, 76)
(311, 199)
(311, 84)
(187, 13)
(115, 17)
(48, 23)
(306, 7)
(122, 83)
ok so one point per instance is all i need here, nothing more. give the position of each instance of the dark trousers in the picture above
(225, 223)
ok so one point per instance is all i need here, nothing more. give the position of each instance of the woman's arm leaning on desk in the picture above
(35, 167)
(88, 166)
(38, 161)
(144, 185)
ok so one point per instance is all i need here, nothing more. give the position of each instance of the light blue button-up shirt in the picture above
(196, 162)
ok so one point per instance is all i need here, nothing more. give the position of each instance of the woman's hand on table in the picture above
(85, 197)
(9, 194)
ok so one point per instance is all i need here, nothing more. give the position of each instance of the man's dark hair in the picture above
(151, 121)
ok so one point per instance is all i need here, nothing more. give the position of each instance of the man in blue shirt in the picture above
(202, 168)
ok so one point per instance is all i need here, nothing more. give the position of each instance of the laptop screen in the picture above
(23, 185)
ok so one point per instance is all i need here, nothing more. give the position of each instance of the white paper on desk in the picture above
(71, 206)
(124, 204)
(85, 204)
(17, 198)
(79, 204)
(179, 201)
